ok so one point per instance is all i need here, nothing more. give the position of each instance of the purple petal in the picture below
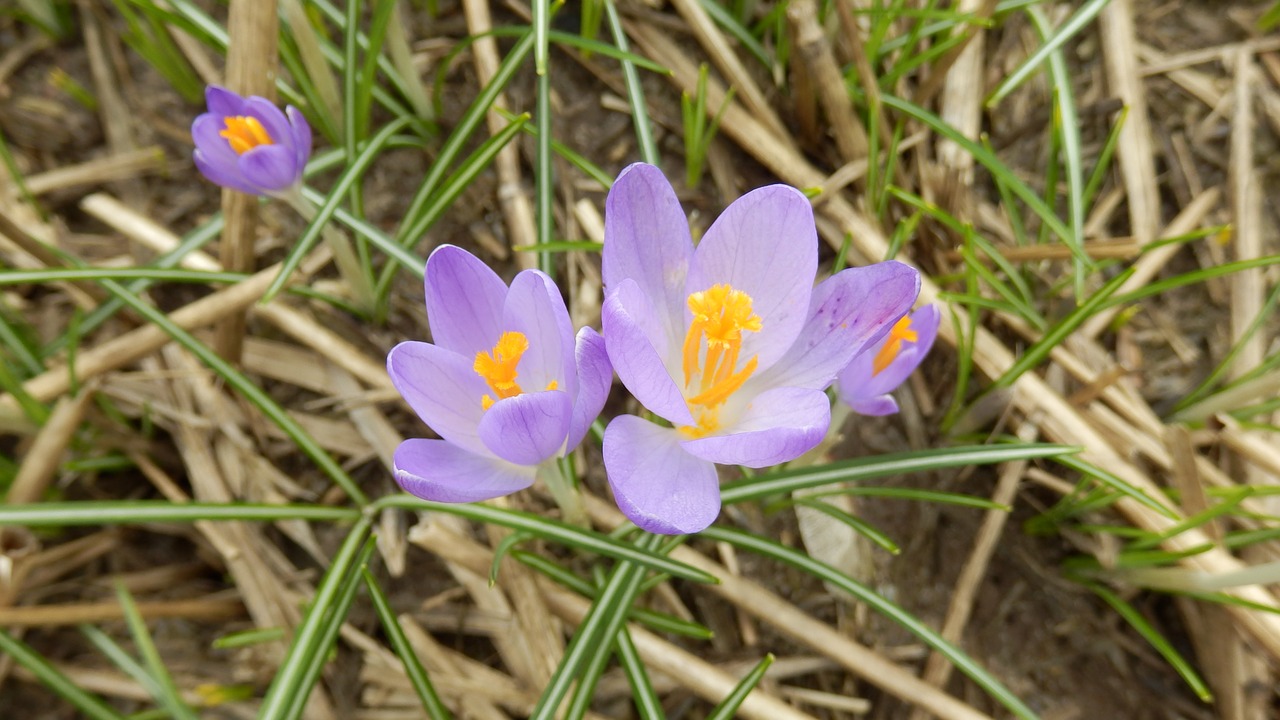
(301, 131)
(595, 379)
(875, 406)
(205, 134)
(464, 301)
(535, 307)
(528, 428)
(779, 425)
(867, 391)
(443, 389)
(222, 174)
(222, 101)
(273, 121)
(656, 484)
(647, 240)
(630, 332)
(849, 311)
(436, 470)
(270, 167)
(764, 244)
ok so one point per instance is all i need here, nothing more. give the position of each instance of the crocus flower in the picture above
(731, 343)
(503, 385)
(247, 144)
(865, 385)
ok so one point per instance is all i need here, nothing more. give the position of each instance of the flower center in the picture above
(498, 368)
(900, 331)
(720, 316)
(245, 134)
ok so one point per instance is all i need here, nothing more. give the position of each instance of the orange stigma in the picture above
(720, 315)
(498, 368)
(245, 134)
(901, 331)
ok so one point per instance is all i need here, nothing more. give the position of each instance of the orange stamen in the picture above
(900, 331)
(720, 315)
(245, 134)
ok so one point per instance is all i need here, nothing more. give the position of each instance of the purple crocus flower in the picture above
(503, 385)
(247, 144)
(731, 343)
(865, 385)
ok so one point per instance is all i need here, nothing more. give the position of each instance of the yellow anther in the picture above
(720, 315)
(245, 134)
(900, 331)
(498, 368)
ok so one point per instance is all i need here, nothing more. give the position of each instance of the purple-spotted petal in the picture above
(878, 406)
(464, 301)
(764, 244)
(271, 168)
(223, 174)
(632, 336)
(849, 311)
(595, 378)
(779, 425)
(656, 484)
(222, 101)
(301, 130)
(535, 308)
(437, 470)
(442, 389)
(528, 428)
(647, 240)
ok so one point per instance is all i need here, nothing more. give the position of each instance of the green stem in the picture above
(559, 480)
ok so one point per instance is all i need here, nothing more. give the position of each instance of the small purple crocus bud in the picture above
(865, 385)
(730, 342)
(504, 385)
(248, 144)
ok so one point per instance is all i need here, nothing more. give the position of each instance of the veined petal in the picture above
(778, 425)
(766, 245)
(656, 484)
(442, 389)
(437, 470)
(215, 148)
(464, 301)
(647, 240)
(634, 339)
(528, 428)
(877, 406)
(222, 101)
(535, 307)
(867, 391)
(301, 131)
(270, 167)
(595, 378)
(849, 311)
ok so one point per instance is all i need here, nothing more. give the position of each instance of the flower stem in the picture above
(344, 255)
(557, 474)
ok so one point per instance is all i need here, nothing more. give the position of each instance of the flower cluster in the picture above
(730, 343)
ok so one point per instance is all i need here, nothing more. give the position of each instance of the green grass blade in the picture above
(728, 708)
(1191, 278)
(168, 695)
(635, 92)
(648, 705)
(855, 523)
(120, 512)
(553, 531)
(787, 481)
(1052, 44)
(801, 561)
(291, 674)
(1115, 483)
(543, 170)
(917, 495)
(89, 705)
(417, 674)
